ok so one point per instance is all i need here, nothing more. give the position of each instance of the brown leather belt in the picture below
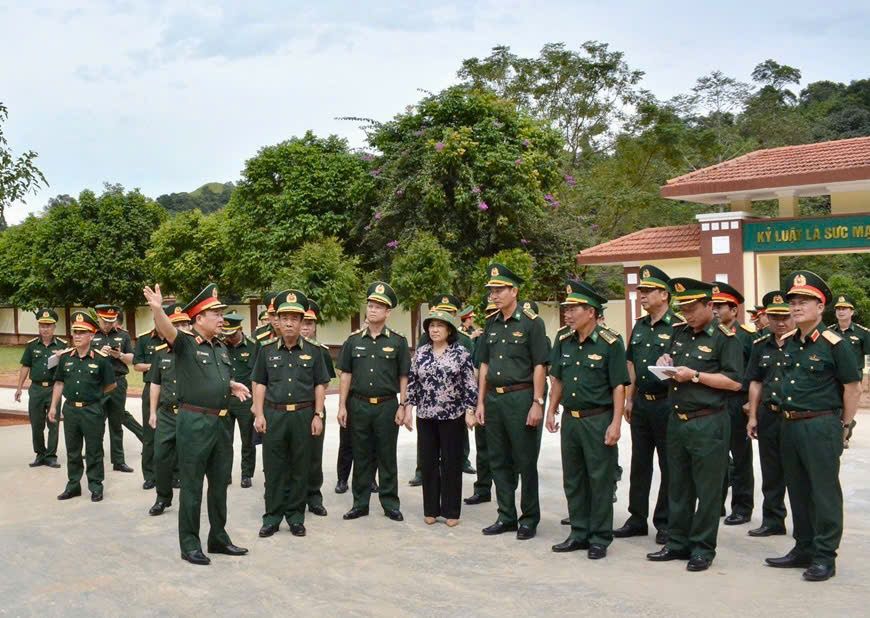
(653, 396)
(374, 400)
(501, 390)
(799, 416)
(41, 383)
(290, 407)
(588, 412)
(201, 410)
(698, 413)
(81, 404)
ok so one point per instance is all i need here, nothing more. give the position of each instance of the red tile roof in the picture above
(806, 164)
(652, 243)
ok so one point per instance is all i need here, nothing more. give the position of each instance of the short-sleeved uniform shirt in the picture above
(746, 335)
(290, 374)
(768, 364)
(36, 355)
(822, 364)
(647, 343)
(84, 377)
(203, 370)
(119, 339)
(143, 351)
(327, 357)
(513, 347)
(715, 349)
(162, 373)
(375, 363)
(242, 357)
(589, 370)
(858, 338)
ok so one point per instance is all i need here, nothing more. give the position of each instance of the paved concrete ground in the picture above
(79, 558)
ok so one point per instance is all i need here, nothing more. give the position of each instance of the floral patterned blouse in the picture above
(442, 387)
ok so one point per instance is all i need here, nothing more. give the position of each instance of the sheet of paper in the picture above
(52, 361)
(662, 372)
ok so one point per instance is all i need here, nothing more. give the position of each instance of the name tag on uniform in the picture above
(704, 348)
(360, 347)
(274, 358)
(384, 349)
(201, 353)
(595, 357)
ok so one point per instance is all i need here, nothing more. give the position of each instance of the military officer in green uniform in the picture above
(765, 374)
(855, 334)
(315, 467)
(269, 330)
(115, 342)
(243, 353)
(83, 376)
(820, 398)
(34, 365)
(513, 369)
(205, 384)
(290, 381)
(374, 364)
(589, 375)
(143, 353)
(162, 412)
(726, 302)
(646, 405)
(706, 363)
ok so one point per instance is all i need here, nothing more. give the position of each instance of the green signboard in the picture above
(834, 232)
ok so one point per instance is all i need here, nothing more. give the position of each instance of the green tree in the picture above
(18, 175)
(20, 280)
(521, 264)
(208, 198)
(845, 284)
(421, 270)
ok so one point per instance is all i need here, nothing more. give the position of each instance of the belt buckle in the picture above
(683, 417)
(499, 390)
(222, 413)
(291, 407)
(373, 401)
(78, 404)
(787, 415)
(577, 413)
(650, 397)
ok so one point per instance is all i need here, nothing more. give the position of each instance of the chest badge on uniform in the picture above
(389, 349)
(813, 357)
(517, 333)
(704, 348)
(664, 336)
(304, 357)
(93, 366)
(594, 357)
(245, 354)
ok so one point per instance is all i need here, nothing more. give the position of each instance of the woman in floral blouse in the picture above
(442, 386)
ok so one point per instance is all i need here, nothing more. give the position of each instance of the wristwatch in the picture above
(697, 377)
(320, 414)
(540, 401)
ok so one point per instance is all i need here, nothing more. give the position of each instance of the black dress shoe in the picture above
(196, 557)
(297, 529)
(766, 531)
(158, 508)
(268, 530)
(176, 484)
(67, 494)
(820, 572)
(36, 463)
(524, 533)
(467, 468)
(662, 537)
(416, 481)
(698, 563)
(97, 496)
(229, 549)
(569, 544)
(122, 467)
(394, 514)
(628, 531)
(317, 509)
(246, 482)
(375, 488)
(736, 519)
(566, 521)
(355, 513)
(148, 485)
(665, 554)
(477, 499)
(51, 462)
(596, 552)
(499, 528)
(792, 560)
(341, 487)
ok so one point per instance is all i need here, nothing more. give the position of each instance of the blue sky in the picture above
(166, 95)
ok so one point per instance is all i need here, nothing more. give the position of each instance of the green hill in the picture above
(208, 198)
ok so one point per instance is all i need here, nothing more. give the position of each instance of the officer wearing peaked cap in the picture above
(269, 330)
(856, 335)
(243, 353)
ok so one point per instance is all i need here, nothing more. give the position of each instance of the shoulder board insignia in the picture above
(32, 340)
(198, 339)
(861, 326)
(358, 331)
(563, 329)
(832, 326)
(833, 338)
(725, 330)
(612, 332)
(761, 339)
(162, 346)
(323, 345)
(564, 335)
(60, 340)
(147, 332)
(788, 334)
(749, 328)
(187, 332)
(608, 336)
(530, 314)
(679, 324)
(68, 351)
(271, 341)
(397, 333)
(101, 353)
(263, 335)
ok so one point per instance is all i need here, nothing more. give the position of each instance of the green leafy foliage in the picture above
(422, 269)
(18, 175)
(208, 198)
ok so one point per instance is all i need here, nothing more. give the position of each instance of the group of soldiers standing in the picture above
(694, 385)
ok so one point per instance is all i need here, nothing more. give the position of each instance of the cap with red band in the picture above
(109, 313)
(724, 293)
(205, 300)
(808, 283)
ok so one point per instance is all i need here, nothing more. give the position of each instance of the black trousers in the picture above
(440, 448)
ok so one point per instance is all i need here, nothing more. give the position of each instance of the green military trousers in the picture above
(588, 470)
(513, 455)
(286, 457)
(772, 477)
(649, 435)
(165, 454)
(38, 400)
(241, 413)
(375, 435)
(483, 483)
(697, 465)
(811, 450)
(147, 435)
(740, 477)
(116, 413)
(84, 426)
(315, 469)
(203, 445)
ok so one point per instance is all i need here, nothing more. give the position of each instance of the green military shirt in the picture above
(327, 358)
(84, 377)
(36, 355)
(144, 349)
(203, 369)
(767, 364)
(859, 340)
(375, 363)
(119, 339)
(715, 349)
(513, 347)
(821, 364)
(162, 373)
(647, 343)
(264, 333)
(242, 357)
(290, 374)
(463, 340)
(590, 369)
